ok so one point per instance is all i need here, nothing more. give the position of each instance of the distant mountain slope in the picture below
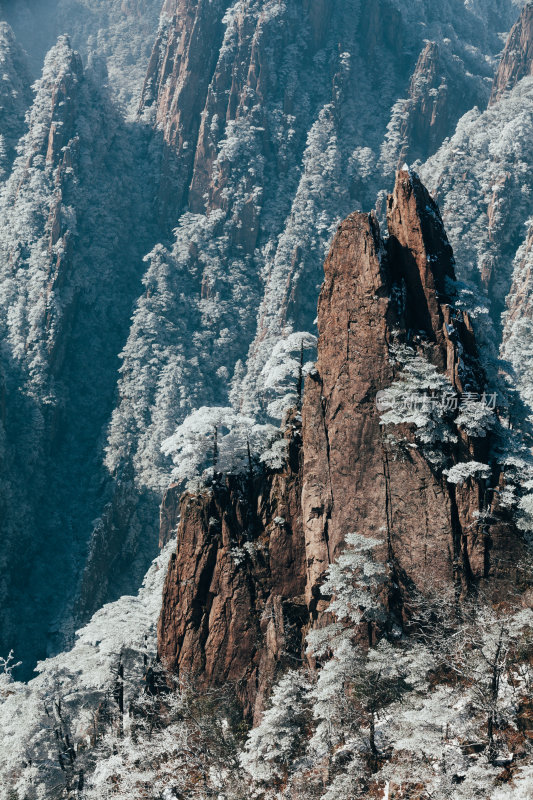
(15, 96)
(74, 225)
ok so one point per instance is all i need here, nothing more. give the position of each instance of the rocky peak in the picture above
(517, 58)
(377, 293)
(352, 471)
(419, 253)
(233, 606)
(421, 258)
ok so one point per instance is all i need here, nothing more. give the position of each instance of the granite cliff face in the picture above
(517, 58)
(234, 603)
(356, 477)
(225, 617)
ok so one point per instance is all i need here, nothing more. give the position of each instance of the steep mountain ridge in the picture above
(481, 178)
(14, 96)
(261, 176)
(301, 112)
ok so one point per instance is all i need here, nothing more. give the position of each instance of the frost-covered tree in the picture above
(488, 658)
(476, 417)
(272, 746)
(352, 684)
(463, 471)
(218, 440)
(7, 666)
(284, 373)
(355, 580)
(420, 397)
(174, 743)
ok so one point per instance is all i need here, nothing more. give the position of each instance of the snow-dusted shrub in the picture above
(354, 581)
(525, 515)
(476, 417)
(284, 372)
(462, 472)
(419, 397)
(220, 440)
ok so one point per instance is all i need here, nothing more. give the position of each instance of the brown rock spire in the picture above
(352, 482)
(226, 619)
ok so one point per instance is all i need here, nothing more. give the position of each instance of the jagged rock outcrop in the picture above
(233, 602)
(517, 58)
(266, 144)
(180, 70)
(354, 476)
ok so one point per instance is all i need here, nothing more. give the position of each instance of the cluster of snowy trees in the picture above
(118, 33)
(436, 701)
(424, 398)
(434, 706)
(51, 727)
(14, 96)
(218, 440)
(481, 178)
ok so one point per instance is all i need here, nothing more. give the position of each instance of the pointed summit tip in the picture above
(419, 250)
